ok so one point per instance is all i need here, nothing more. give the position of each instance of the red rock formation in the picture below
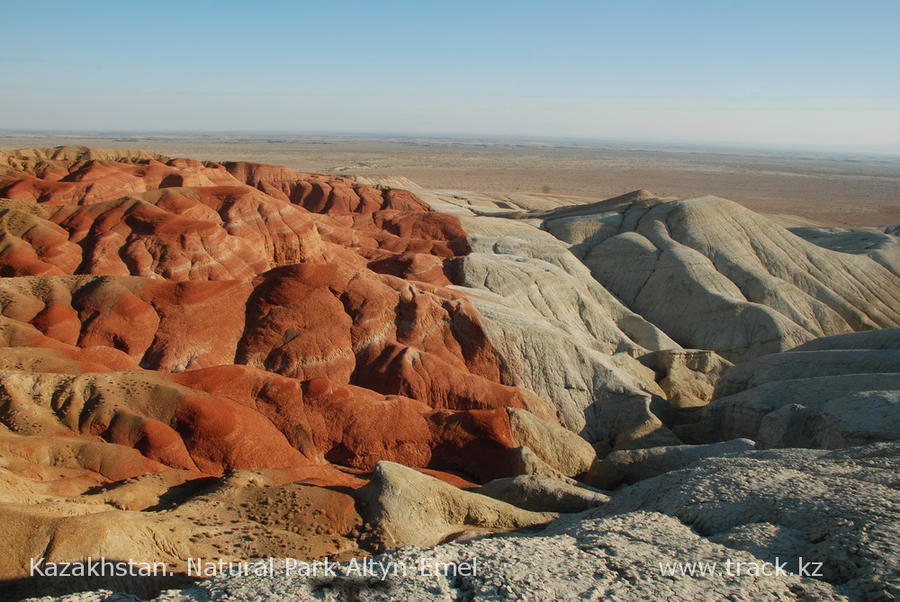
(322, 194)
(282, 320)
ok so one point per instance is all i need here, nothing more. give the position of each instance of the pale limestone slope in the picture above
(881, 244)
(832, 392)
(714, 275)
(561, 334)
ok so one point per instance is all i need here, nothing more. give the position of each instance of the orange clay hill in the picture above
(197, 352)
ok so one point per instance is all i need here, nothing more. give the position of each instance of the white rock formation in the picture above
(832, 392)
(840, 508)
(714, 275)
(537, 302)
(704, 272)
(881, 244)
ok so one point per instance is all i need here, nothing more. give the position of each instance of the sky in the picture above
(789, 73)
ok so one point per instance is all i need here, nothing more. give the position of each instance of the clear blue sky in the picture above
(788, 72)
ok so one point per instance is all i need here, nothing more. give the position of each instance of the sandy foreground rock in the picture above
(630, 466)
(408, 508)
(572, 562)
(840, 509)
(543, 494)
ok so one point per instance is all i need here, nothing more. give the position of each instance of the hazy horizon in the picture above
(886, 151)
(817, 76)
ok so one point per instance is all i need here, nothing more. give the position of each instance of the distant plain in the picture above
(799, 187)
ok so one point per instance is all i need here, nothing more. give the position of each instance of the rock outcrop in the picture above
(633, 465)
(543, 494)
(829, 519)
(838, 508)
(829, 393)
(881, 244)
(405, 507)
(561, 449)
(688, 377)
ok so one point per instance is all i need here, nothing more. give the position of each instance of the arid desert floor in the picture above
(801, 188)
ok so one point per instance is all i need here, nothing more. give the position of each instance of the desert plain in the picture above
(824, 188)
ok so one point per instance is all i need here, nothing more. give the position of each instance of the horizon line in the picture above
(881, 150)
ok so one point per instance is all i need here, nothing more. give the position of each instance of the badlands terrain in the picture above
(236, 360)
(796, 188)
